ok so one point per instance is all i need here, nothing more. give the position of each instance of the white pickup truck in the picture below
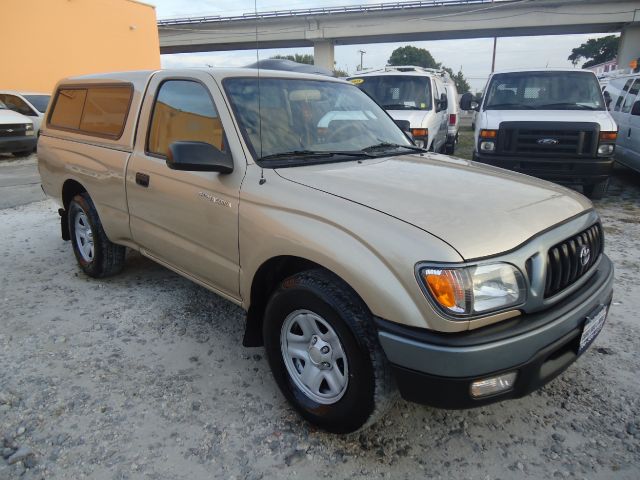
(17, 135)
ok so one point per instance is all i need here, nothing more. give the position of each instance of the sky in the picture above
(473, 56)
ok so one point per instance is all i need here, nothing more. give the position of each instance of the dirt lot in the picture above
(143, 376)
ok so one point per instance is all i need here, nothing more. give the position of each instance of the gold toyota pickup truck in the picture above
(367, 266)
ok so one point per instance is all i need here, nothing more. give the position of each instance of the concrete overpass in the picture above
(323, 28)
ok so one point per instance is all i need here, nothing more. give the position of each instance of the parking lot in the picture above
(143, 376)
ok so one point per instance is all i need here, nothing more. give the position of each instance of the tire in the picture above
(596, 191)
(450, 149)
(319, 298)
(23, 153)
(97, 256)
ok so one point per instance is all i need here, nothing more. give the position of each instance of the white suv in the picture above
(415, 97)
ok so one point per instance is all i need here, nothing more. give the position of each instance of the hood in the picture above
(414, 117)
(494, 117)
(477, 209)
(11, 117)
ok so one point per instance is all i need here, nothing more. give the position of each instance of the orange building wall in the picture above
(42, 41)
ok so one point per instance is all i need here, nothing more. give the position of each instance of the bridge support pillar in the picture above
(323, 54)
(629, 48)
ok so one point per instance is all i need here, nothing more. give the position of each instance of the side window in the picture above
(99, 110)
(67, 110)
(631, 96)
(623, 94)
(17, 104)
(183, 111)
(105, 110)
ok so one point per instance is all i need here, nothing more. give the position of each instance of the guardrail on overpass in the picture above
(323, 28)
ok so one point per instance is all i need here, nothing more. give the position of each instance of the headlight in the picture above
(28, 129)
(487, 146)
(476, 289)
(606, 149)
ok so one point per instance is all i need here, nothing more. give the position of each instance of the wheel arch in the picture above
(266, 279)
(70, 188)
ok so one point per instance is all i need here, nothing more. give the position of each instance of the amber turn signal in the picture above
(608, 136)
(488, 133)
(420, 132)
(442, 289)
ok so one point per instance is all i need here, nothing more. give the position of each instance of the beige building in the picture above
(42, 41)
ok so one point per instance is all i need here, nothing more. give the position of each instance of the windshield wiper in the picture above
(566, 104)
(515, 106)
(294, 154)
(387, 146)
(399, 106)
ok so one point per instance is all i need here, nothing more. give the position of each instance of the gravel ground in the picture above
(143, 376)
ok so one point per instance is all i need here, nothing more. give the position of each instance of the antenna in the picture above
(255, 10)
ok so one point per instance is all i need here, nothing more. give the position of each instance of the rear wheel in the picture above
(450, 149)
(596, 191)
(324, 353)
(95, 253)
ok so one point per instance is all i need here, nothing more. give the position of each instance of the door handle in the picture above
(142, 179)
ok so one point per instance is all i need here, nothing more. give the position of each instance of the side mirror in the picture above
(467, 102)
(444, 104)
(635, 110)
(405, 126)
(198, 157)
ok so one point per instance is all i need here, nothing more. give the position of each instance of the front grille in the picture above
(567, 261)
(548, 139)
(15, 130)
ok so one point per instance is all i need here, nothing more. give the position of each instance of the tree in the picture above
(410, 55)
(458, 78)
(595, 51)
(297, 57)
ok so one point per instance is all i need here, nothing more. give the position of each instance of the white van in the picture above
(625, 110)
(549, 123)
(453, 117)
(411, 94)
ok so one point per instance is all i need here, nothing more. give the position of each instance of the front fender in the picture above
(371, 251)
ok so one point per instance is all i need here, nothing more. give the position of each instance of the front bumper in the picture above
(17, 144)
(560, 169)
(438, 369)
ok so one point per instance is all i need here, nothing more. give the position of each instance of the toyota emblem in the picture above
(585, 255)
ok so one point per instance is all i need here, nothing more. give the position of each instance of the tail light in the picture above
(452, 118)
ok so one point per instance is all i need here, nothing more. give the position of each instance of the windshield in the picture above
(397, 92)
(38, 101)
(2, 106)
(544, 91)
(310, 119)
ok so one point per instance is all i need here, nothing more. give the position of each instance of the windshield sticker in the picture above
(357, 81)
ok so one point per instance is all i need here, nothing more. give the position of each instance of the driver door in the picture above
(186, 220)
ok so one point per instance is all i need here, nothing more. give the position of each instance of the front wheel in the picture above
(324, 353)
(23, 153)
(596, 191)
(96, 254)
